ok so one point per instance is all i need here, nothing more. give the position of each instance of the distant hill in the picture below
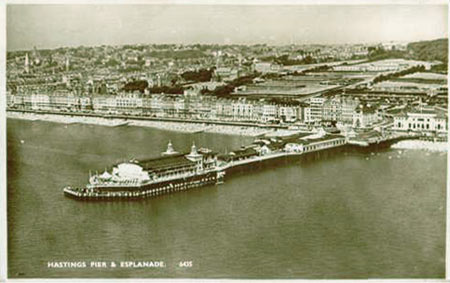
(429, 50)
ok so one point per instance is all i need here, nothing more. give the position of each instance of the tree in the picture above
(167, 89)
(139, 85)
(202, 75)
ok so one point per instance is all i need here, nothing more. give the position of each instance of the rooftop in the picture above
(165, 162)
(326, 137)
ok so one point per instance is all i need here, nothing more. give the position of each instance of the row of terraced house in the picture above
(204, 107)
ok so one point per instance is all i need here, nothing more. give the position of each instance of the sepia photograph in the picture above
(219, 140)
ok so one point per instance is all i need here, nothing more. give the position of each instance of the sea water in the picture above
(346, 216)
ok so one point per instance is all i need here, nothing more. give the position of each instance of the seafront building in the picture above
(365, 115)
(164, 106)
(332, 109)
(316, 105)
(422, 119)
(314, 111)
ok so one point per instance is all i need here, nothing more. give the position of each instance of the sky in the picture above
(53, 26)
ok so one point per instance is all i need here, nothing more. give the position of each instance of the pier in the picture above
(175, 171)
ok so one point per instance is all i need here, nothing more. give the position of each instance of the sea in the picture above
(344, 216)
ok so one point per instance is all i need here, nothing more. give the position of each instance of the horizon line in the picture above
(222, 44)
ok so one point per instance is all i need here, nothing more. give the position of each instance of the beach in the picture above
(421, 145)
(201, 127)
(184, 127)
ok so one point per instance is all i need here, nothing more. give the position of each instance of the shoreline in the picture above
(194, 128)
(421, 145)
(182, 127)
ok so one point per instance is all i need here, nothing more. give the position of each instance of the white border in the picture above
(3, 221)
(447, 242)
(3, 145)
(236, 2)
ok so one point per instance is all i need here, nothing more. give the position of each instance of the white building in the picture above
(425, 120)
(293, 147)
(266, 67)
(316, 104)
(307, 118)
(348, 107)
(104, 103)
(63, 101)
(364, 116)
(129, 103)
(40, 102)
(289, 113)
(332, 109)
(269, 112)
(242, 109)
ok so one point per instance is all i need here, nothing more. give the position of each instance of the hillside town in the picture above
(363, 87)
(225, 140)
